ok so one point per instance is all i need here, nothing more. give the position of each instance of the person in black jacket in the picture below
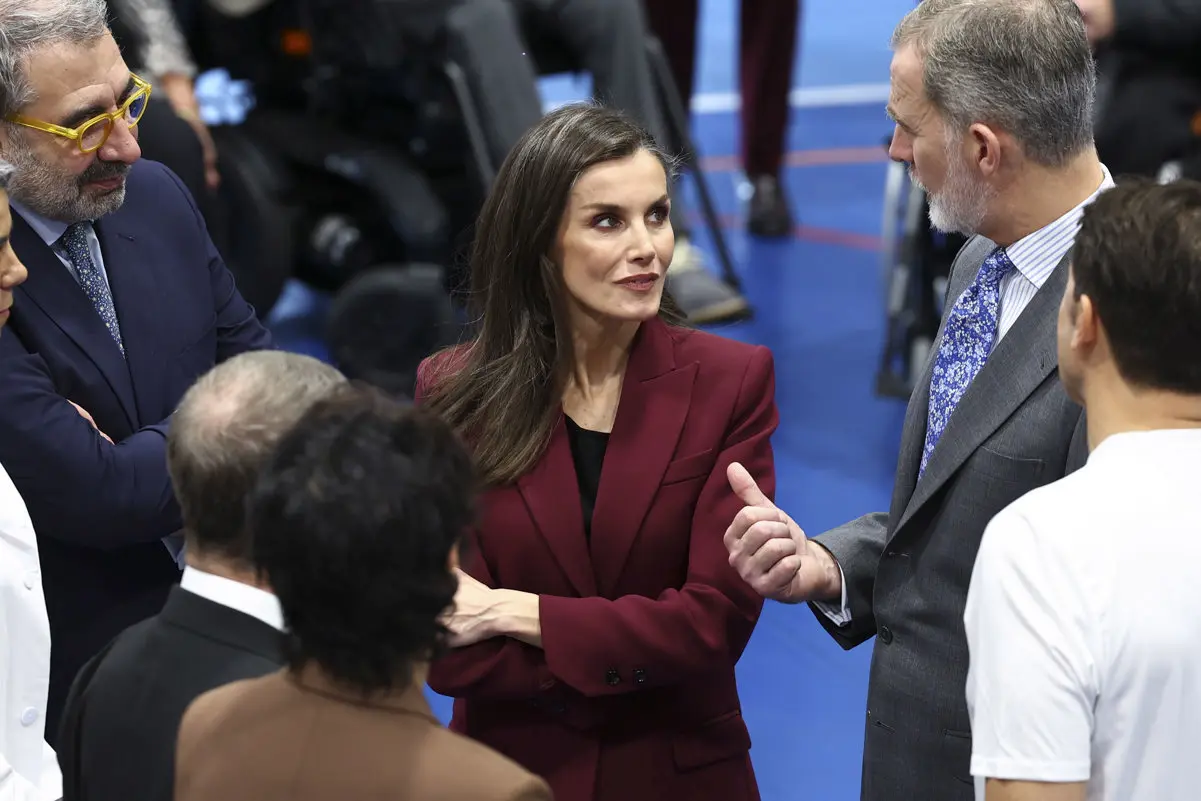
(117, 738)
(1149, 104)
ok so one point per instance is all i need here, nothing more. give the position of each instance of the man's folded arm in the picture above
(78, 487)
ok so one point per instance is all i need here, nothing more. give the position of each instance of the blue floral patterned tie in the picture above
(75, 243)
(967, 340)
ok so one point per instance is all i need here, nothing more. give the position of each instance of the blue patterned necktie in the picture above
(967, 340)
(75, 243)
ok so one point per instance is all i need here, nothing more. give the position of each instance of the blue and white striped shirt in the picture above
(1036, 256)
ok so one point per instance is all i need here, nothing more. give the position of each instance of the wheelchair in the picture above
(344, 177)
(916, 263)
(361, 165)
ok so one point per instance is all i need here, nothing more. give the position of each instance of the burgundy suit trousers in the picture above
(767, 47)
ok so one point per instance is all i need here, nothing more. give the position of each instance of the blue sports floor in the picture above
(819, 305)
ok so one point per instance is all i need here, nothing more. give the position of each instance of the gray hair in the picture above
(29, 25)
(1022, 65)
(6, 175)
(226, 427)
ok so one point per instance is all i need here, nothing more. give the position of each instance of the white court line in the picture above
(813, 97)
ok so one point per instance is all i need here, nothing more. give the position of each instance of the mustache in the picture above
(104, 171)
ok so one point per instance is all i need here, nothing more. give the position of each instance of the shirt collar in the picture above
(50, 231)
(1036, 255)
(244, 598)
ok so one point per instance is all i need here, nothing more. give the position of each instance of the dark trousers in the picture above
(767, 48)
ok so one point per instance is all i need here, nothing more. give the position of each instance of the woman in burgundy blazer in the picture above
(598, 621)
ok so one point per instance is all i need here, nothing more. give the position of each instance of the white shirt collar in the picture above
(244, 598)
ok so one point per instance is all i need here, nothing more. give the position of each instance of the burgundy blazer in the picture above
(632, 696)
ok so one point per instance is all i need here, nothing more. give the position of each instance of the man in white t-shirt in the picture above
(28, 768)
(1084, 613)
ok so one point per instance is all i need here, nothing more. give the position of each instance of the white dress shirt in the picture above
(28, 767)
(1034, 257)
(1083, 625)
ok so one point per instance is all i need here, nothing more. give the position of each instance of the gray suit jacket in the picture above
(907, 572)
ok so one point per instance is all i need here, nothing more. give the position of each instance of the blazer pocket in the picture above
(957, 754)
(721, 738)
(690, 467)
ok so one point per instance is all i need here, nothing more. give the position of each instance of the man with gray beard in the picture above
(126, 304)
(992, 101)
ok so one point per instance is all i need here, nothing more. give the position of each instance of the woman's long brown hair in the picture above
(502, 391)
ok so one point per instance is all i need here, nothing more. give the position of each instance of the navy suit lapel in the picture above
(137, 299)
(51, 287)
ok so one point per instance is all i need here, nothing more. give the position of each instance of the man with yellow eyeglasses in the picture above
(126, 304)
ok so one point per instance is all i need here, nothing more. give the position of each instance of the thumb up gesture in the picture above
(770, 551)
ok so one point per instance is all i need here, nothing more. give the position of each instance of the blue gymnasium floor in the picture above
(819, 307)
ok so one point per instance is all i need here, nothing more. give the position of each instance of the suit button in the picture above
(613, 678)
(31, 579)
(29, 716)
(885, 635)
(639, 676)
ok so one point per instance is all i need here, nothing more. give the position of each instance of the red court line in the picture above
(805, 158)
(806, 233)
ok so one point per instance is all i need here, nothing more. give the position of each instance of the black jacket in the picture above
(118, 733)
(1150, 98)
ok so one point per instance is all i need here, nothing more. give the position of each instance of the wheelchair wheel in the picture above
(258, 224)
(386, 320)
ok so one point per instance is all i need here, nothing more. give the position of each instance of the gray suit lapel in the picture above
(1021, 362)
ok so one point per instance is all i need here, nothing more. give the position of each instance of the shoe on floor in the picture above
(768, 214)
(700, 294)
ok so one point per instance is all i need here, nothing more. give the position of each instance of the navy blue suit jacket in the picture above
(101, 510)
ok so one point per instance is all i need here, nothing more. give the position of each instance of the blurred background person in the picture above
(766, 51)
(598, 623)
(1149, 93)
(1077, 692)
(28, 768)
(173, 131)
(222, 623)
(356, 521)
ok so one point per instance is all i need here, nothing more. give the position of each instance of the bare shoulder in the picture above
(478, 772)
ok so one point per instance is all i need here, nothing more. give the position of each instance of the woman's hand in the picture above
(480, 613)
(471, 618)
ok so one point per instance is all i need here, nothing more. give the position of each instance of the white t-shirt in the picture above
(1084, 627)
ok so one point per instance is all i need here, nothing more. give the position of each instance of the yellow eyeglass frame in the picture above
(108, 119)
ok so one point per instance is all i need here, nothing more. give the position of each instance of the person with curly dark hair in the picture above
(356, 522)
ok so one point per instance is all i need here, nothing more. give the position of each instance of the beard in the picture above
(55, 194)
(962, 204)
